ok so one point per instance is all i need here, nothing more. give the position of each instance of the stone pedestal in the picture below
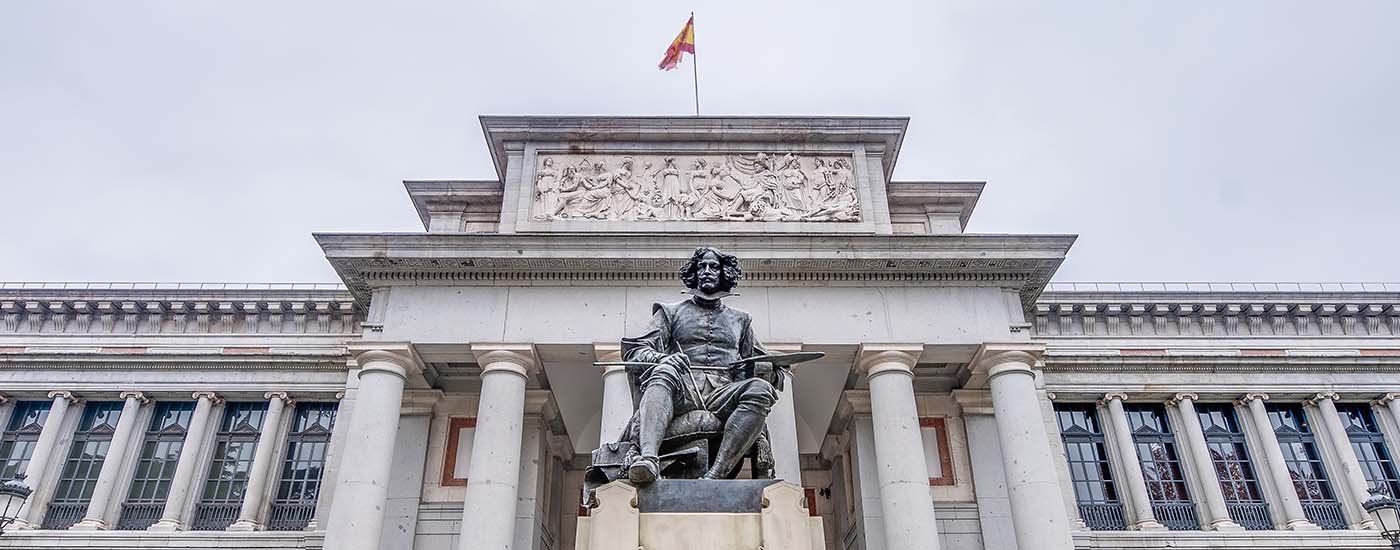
(687, 514)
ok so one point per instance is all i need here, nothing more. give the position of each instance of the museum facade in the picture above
(444, 395)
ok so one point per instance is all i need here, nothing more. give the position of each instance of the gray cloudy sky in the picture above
(202, 140)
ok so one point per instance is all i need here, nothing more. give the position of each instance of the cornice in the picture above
(165, 312)
(1198, 364)
(85, 361)
(1357, 314)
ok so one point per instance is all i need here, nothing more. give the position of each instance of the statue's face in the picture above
(708, 272)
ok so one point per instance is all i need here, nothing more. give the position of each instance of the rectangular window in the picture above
(89, 450)
(302, 467)
(1089, 471)
(1369, 444)
(1228, 451)
(1295, 439)
(1161, 467)
(230, 464)
(160, 452)
(21, 434)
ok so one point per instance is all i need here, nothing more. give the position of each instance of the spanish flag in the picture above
(685, 42)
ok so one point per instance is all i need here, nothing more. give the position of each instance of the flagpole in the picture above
(695, 64)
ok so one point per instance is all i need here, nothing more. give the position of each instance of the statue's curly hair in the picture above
(729, 269)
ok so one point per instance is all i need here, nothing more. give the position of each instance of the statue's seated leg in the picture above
(658, 404)
(744, 405)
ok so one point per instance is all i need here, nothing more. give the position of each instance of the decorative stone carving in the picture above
(736, 187)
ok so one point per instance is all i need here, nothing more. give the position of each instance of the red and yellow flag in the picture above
(685, 42)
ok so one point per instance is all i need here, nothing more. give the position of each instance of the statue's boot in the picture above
(740, 433)
(654, 413)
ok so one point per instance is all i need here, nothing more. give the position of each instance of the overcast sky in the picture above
(206, 141)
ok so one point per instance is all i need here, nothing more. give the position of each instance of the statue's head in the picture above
(711, 271)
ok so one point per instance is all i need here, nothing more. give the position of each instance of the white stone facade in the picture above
(445, 396)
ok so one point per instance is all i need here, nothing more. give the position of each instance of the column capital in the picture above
(1181, 397)
(1386, 399)
(605, 351)
(1248, 398)
(997, 358)
(859, 401)
(133, 394)
(279, 395)
(397, 358)
(4, 399)
(1322, 396)
(213, 398)
(68, 395)
(1110, 396)
(875, 359)
(520, 359)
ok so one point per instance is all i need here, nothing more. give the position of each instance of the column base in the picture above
(166, 526)
(1149, 525)
(89, 524)
(1301, 525)
(244, 525)
(1226, 526)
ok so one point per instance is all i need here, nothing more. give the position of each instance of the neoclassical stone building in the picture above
(444, 396)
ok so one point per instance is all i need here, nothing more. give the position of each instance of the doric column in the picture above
(1278, 468)
(1217, 513)
(1132, 466)
(261, 469)
(1040, 520)
(902, 471)
(488, 513)
(112, 464)
(357, 515)
(617, 394)
(782, 426)
(1326, 403)
(43, 453)
(171, 519)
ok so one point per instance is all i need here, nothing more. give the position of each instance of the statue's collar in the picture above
(708, 299)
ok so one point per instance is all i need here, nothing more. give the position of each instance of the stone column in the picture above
(1218, 514)
(182, 481)
(1392, 404)
(617, 394)
(905, 501)
(1326, 403)
(488, 513)
(261, 470)
(362, 488)
(1278, 469)
(1040, 520)
(1132, 467)
(42, 455)
(782, 435)
(112, 464)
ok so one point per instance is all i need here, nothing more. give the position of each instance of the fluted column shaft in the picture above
(1217, 513)
(43, 453)
(1294, 518)
(1352, 475)
(899, 451)
(183, 480)
(112, 464)
(493, 479)
(261, 470)
(357, 515)
(1132, 466)
(1031, 483)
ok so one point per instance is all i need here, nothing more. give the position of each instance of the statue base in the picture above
(693, 514)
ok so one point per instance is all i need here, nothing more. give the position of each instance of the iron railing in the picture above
(1103, 517)
(137, 516)
(1221, 287)
(215, 516)
(64, 515)
(1327, 515)
(1250, 515)
(291, 516)
(1177, 516)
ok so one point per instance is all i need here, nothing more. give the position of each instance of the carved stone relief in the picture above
(758, 187)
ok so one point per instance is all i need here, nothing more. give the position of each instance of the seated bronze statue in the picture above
(702, 383)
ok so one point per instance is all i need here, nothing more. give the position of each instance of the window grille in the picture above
(1090, 474)
(88, 451)
(1368, 442)
(230, 464)
(1161, 467)
(160, 452)
(21, 434)
(1233, 468)
(1295, 439)
(302, 467)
